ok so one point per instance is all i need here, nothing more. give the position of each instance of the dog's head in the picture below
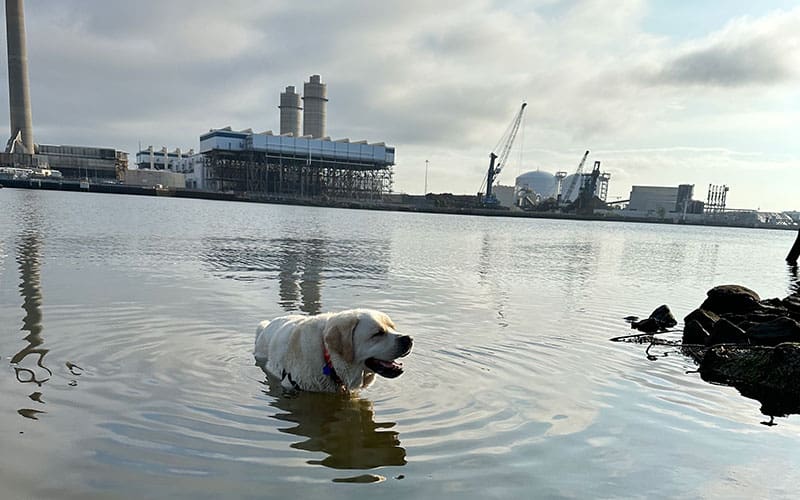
(364, 336)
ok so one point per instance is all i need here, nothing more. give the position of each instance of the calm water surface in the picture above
(127, 326)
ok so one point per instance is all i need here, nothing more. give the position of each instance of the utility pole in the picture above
(426, 178)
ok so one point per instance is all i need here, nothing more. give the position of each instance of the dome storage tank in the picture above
(540, 182)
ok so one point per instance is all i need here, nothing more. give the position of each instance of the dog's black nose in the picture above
(405, 343)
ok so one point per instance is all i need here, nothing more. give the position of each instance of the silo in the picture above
(290, 111)
(315, 107)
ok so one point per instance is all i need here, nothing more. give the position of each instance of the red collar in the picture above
(328, 368)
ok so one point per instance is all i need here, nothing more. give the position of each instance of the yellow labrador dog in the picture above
(331, 352)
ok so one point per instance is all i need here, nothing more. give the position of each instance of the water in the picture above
(127, 327)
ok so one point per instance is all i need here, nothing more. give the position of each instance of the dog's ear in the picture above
(338, 335)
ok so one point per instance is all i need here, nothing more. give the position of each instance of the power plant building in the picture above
(310, 165)
(275, 165)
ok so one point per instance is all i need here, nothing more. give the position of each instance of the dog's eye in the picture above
(378, 334)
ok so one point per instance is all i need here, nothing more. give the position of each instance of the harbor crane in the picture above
(498, 161)
(574, 182)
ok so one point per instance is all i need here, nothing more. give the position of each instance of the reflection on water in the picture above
(775, 402)
(28, 260)
(301, 265)
(343, 427)
(497, 291)
(758, 373)
(794, 281)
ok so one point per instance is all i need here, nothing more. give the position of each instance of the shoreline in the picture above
(113, 188)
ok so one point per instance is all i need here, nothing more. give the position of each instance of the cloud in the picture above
(747, 52)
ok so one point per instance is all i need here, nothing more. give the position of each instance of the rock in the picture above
(725, 332)
(660, 320)
(774, 332)
(705, 318)
(664, 317)
(774, 302)
(792, 304)
(762, 317)
(647, 325)
(695, 334)
(731, 299)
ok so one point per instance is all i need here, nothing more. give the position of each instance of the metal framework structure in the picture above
(260, 173)
(717, 198)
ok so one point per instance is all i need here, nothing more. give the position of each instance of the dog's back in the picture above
(265, 331)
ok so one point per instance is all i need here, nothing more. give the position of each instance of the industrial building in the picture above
(160, 160)
(537, 186)
(291, 164)
(662, 200)
(243, 161)
(190, 165)
(310, 165)
(83, 162)
(154, 178)
(506, 195)
(193, 167)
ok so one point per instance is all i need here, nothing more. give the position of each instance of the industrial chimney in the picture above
(315, 109)
(18, 92)
(290, 112)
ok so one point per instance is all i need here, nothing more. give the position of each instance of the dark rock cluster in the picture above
(733, 314)
(740, 340)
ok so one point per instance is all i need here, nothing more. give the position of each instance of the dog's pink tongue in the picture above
(390, 364)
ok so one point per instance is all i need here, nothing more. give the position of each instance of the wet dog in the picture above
(331, 352)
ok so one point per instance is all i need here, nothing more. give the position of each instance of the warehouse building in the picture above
(83, 162)
(662, 200)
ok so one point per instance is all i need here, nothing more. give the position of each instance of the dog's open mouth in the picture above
(388, 369)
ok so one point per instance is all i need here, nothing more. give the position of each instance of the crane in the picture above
(575, 178)
(498, 161)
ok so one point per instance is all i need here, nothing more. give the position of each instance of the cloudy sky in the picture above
(663, 92)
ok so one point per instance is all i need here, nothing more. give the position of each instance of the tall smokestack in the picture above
(18, 92)
(315, 107)
(290, 112)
